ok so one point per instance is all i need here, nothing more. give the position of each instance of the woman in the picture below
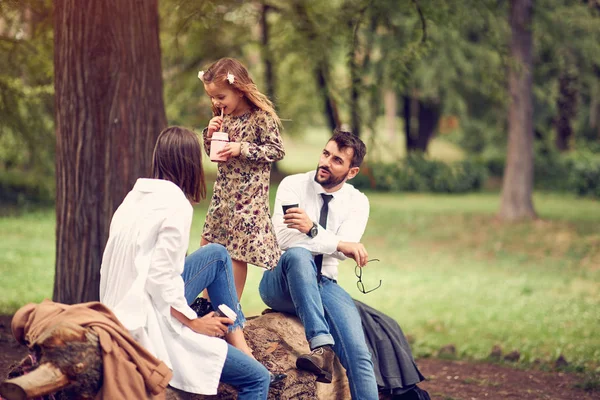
(148, 282)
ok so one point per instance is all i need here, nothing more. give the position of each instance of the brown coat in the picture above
(130, 371)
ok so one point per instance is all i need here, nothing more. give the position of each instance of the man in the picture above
(327, 222)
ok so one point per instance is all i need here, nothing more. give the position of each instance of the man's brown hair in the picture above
(178, 158)
(345, 140)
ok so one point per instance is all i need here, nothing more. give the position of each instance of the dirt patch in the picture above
(447, 380)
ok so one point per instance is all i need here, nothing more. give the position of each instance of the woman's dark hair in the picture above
(346, 139)
(178, 158)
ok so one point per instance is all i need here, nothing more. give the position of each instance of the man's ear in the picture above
(353, 172)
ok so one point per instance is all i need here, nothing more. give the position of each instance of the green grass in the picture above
(452, 274)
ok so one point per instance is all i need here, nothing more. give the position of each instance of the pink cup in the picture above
(217, 143)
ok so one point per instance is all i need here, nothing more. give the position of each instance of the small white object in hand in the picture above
(201, 75)
(230, 78)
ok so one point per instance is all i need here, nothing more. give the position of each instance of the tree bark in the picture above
(331, 111)
(566, 105)
(429, 116)
(390, 107)
(517, 185)
(109, 111)
(407, 112)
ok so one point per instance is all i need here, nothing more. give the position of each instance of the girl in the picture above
(148, 282)
(238, 216)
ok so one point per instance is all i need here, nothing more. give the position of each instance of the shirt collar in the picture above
(155, 185)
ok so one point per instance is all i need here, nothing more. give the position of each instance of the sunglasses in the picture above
(358, 271)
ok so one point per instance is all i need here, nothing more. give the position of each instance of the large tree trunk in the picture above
(429, 117)
(331, 111)
(391, 111)
(517, 185)
(407, 112)
(355, 81)
(595, 103)
(566, 104)
(109, 111)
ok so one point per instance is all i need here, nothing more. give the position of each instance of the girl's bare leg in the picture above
(236, 339)
(240, 272)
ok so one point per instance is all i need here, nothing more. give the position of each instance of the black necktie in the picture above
(323, 222)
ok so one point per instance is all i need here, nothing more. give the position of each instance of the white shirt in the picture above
(140, 280)
(346, 219)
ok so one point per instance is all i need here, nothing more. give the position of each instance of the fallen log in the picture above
(70, 364)
(277, 340)
(65, 360)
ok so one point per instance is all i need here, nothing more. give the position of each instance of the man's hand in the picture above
(210, 325)
(296, 218)
(357, 251)
(214, 125)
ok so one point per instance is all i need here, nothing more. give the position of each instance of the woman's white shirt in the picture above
(140, 280)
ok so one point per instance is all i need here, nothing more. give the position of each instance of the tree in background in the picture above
(26, 96)
(517, 185)
(109, 111)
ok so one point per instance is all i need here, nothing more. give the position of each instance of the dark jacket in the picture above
(395, 368)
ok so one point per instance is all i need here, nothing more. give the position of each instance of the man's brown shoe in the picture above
(319, 362)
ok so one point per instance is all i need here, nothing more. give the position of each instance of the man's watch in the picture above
(314, 230)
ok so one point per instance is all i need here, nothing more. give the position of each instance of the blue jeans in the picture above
(209, 268)
(327, 312)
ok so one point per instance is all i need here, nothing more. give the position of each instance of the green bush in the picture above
(20, 188)
(584, 173)
(417, 173)
(577, 171)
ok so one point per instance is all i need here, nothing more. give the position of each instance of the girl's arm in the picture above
(268, 146)
(206, 140)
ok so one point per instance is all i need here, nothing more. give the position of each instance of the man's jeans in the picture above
(327, 312)
(209, 268)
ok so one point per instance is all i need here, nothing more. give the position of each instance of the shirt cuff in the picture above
(245, 149)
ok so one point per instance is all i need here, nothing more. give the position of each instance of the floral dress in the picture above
(238, 216)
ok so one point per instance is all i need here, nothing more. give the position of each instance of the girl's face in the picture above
(232, 101)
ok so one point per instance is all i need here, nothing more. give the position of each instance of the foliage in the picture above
(577, 172)
(193, 35)
(26, 88)
(417, 173)
(23, 188)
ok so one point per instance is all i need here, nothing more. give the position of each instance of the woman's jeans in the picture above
(209, 268)
(327, 312)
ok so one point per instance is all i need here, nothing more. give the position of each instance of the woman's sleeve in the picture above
(165, 284)
(268, 146)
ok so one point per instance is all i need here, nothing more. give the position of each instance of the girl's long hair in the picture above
(217, 74)
(178, 158)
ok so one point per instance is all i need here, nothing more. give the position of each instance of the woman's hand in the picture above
(231, 149)
(214, 125)
(210, 325)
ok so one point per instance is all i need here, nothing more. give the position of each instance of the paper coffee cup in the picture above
(288, 206)
(224, 311)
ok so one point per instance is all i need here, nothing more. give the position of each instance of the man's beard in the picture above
(330, 181)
